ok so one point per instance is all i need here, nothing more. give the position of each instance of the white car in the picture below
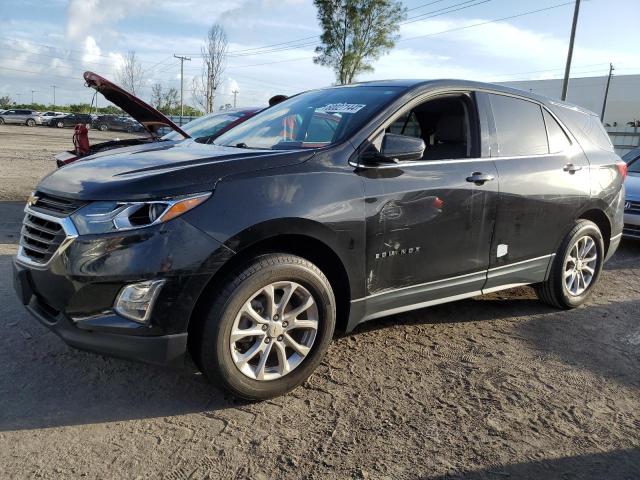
(48, 115)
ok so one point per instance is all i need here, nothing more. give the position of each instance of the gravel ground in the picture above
(494, 387)
(26, 155)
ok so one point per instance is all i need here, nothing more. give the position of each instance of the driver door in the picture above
(428, 227)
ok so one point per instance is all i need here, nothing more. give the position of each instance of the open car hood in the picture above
(150, 118)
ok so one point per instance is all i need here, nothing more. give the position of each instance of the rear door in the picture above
(544, 184)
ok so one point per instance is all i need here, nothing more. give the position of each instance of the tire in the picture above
(60, 124)
(557, 292)
(246, 287)
(31, 122)
(103, 128)
(1, 121)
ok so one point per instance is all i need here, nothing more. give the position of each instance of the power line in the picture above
(531, 12)
(434, 13)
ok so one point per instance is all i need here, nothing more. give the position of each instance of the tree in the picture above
(131, 75)
(6, 101)
(214, 62)
(355, 33)
(156, 95)
(167, 101)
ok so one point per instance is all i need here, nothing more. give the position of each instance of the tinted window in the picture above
(407, 124)
(519, 127)
(584, 125)
(634, 166)
(558, 140)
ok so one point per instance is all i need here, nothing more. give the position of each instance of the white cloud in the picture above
(85, 16)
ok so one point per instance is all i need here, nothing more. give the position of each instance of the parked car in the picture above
(632, 200)
(329, 209)
(21, 116)
(207, 128)
(70, 120)
(116, 122)
(48, 115)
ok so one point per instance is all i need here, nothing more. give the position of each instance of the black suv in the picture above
(113, 122)
(70, 120)
(332, 208)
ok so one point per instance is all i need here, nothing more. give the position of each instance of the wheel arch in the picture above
(303, 243)
(600, 218)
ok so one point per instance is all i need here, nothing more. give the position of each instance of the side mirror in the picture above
(396, 148)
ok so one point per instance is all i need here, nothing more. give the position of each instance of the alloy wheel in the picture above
(274, 331)
(580, 265)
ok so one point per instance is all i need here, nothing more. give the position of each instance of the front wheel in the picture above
(268, 328)
(103, 128)
(576, 267)
(60, 124)
(31, 122)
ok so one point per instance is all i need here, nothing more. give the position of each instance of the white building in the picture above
(623, 102)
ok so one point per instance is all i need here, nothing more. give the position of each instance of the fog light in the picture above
(135, 301)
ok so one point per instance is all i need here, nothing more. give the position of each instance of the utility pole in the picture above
(606, 92)
(182, 59)
(567, 69)
(235, 92)
(32, 92)
(19, 95)
(54, 96)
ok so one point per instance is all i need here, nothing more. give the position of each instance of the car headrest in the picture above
(450, 129)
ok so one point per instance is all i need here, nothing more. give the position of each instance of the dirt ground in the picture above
(496, 387)
(26, 155)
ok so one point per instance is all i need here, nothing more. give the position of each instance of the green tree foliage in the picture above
(355, 33)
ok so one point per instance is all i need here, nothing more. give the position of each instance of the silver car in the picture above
(632, 196)
(21, 116)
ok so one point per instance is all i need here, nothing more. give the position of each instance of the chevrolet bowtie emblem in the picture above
(627, 206)
(31, 201)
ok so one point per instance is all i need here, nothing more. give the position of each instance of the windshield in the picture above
(634, 166)
(631, 155)
(206, 126)
(310, 120)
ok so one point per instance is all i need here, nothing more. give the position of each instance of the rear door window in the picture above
(519, 127)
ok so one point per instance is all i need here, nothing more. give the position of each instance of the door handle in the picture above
(571, 168)
(480, 178)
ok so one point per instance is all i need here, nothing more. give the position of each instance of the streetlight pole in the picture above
(567, 69)
(32, 92)
(182, 59)
(235, 92)
(54, 96)
(606, 92)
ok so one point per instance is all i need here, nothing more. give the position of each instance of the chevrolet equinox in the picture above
(332, 208)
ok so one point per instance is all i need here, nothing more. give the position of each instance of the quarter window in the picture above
(558, 140)
(519, 127)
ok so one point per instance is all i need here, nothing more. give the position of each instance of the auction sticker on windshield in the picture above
(341, 108)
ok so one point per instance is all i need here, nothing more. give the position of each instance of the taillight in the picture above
(622, 168)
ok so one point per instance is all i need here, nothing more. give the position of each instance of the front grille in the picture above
(634, 207)
(40, 238)
(52, 205)
(631, 230)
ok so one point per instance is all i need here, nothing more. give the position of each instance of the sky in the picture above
(271, 43)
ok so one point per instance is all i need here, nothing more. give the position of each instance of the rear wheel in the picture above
(576, 267)
(60, 124)
(103, 128)
(268, 328)
(31, 122)
(1, 121)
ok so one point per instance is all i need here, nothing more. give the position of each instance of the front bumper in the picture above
(73, 295)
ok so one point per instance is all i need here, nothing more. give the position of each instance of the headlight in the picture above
(104, 217)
